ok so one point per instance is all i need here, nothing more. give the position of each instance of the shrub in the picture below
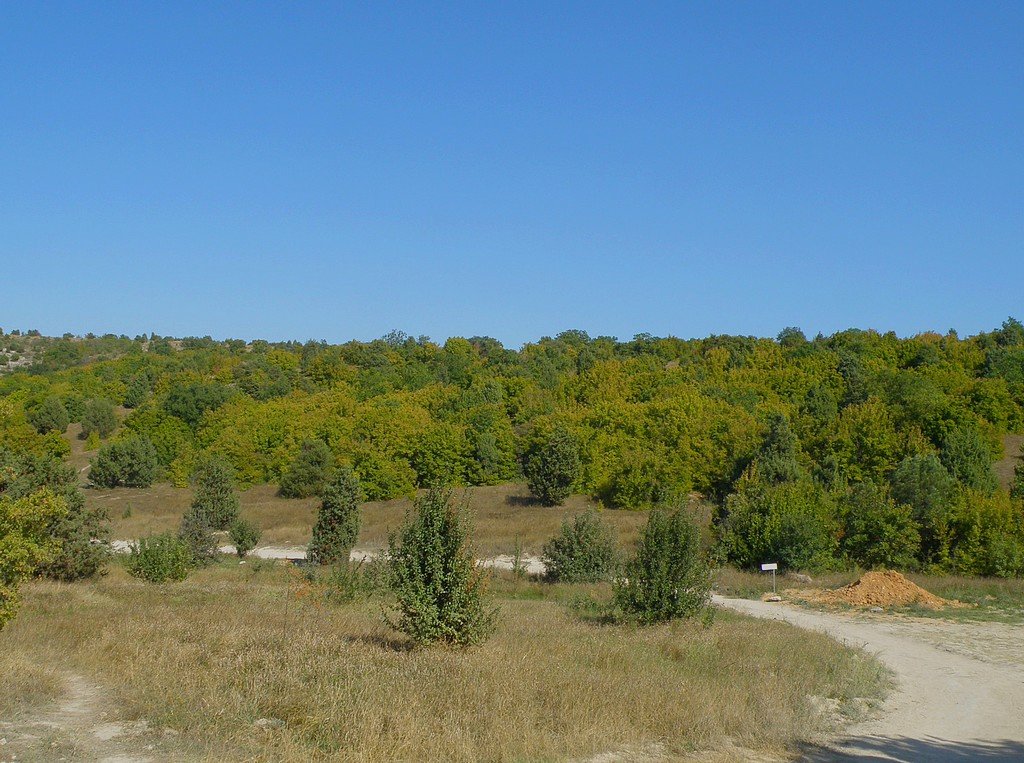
(1017, 485)
(337, 523)
(126, 463)
(191, 401)
(792, 523)
(309, 472)
(552, 466)
(643, 481)
(24, 541)
(159, 559)
(440, 590)
(197, 536)
(583, 552)
(80, 533)
(98, 417)
(878, 532)
(967, 457)
(349, 581)
(51, 416)
(244, 535)
(668, 577)
(214, 499)
(137, 392)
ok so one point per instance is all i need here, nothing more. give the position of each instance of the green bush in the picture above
(127, 463)
(159, 559)
(98, 417)
(51, 416)
(878, 532)
(197, 536)
(1017, 485)
(792, 523)
(668, 577)
(80, 533)
(439, 589)
(244, 536)
(214, 498)
(337, 523)
(190, 402)
(583, 552)
(552, 466)
(309, 472)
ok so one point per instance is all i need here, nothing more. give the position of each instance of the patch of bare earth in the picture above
(81, 726)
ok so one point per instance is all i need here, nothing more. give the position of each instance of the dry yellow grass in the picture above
(501, 513)
(233, 644)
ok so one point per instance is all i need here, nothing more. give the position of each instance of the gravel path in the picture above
(960, 693)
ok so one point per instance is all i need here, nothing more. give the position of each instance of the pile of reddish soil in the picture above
(880, 589)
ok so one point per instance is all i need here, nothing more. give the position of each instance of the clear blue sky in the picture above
(305, 170)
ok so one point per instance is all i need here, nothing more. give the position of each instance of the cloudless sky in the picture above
(301, 170)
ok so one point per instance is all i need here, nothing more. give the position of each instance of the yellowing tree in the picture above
(24, 542)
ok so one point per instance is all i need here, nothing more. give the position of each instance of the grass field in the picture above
(234, 643)
(500, 515)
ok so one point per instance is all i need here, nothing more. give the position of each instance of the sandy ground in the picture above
(960, 693)
(532, 565)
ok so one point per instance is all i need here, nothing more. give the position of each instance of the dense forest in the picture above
(859, 447)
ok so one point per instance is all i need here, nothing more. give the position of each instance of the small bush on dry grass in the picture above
(439, 589)
(159, 559)
(244, 536)
(583, 552)
(224, 648)
(668, 577)
(337, 522)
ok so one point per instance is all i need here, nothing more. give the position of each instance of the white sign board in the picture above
(771, 566)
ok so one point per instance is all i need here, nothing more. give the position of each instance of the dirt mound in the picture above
(881, 589)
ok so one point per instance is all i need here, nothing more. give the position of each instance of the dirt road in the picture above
(960, 695)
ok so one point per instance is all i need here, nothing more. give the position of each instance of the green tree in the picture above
(137, 392)
(126, 463)
(245, 535)
(214, 498)
(777, 460)
(191, 401)
(792, 523)
(878, 532)
(51, 416)
(439, 588)
(552, 466)
(25, 542)
(968, 459)
(923, 483)
(309, 473)
(1017, 485)
(668, 577)
(98, 417)
(337, 523)
(80, 532)
(583, 552)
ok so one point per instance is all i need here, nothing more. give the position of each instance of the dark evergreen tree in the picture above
(99, 417)
(214, 498)
(51, 416)
(337, 523)
(310, 472)
(126, 463)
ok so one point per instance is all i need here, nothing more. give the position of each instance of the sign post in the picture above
(771, 566)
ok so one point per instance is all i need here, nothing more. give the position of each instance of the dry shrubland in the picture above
(236, 643)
